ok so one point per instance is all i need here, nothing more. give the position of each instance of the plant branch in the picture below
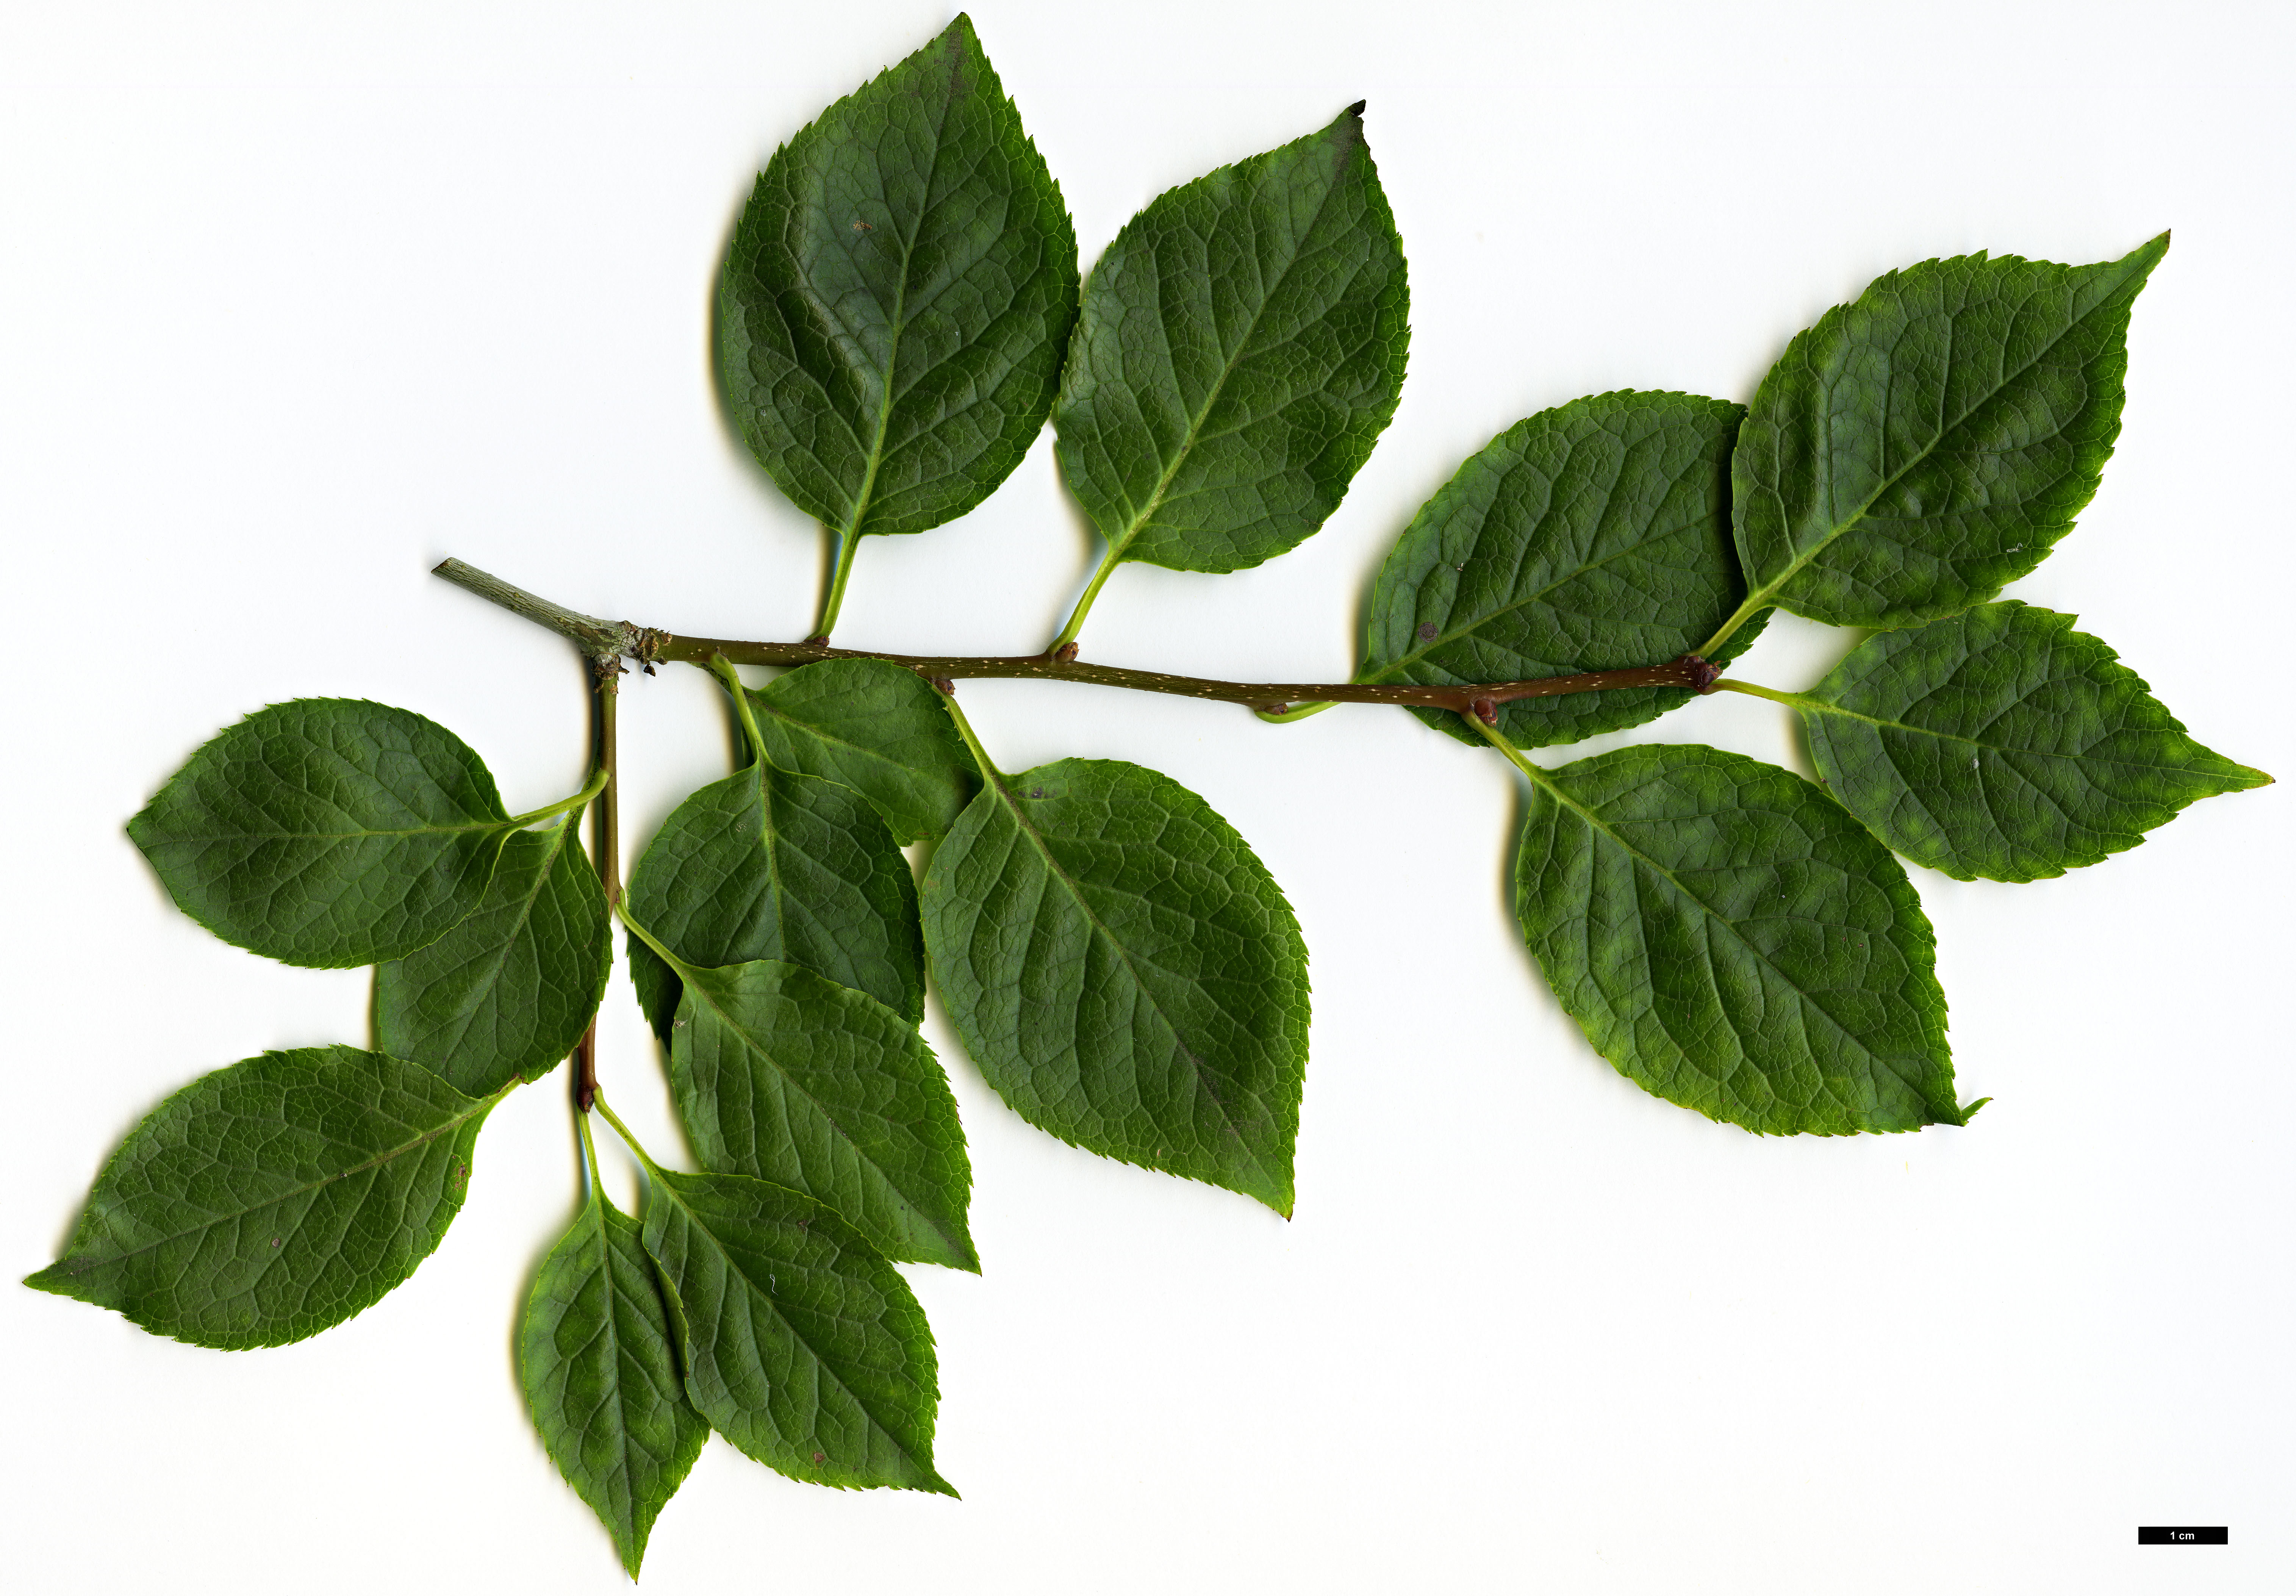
(609, 640)
(605, 844)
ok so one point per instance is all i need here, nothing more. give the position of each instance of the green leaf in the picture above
(801, 1346)
(1918, 449)
(1594, 536)
(877, 728)
(2003, 744)
(506, 995)
(657, 987)
(601, 1375)
(273, 1199)
(1240, 349)
(327, 832)
(1734, 942)
(768, 865)
(1124, 973)
(897, 296)
(784, 1076)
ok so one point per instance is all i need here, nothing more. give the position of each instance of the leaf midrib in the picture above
(504, 826)
(1219, 383)
(1766, 594)
(479, 1109)
(898, 323)
(1593, 821)
(773, 1305)
(1804, 701)
(1416, 654)
(461, 1020)
(827, 1118)
(1124, 956)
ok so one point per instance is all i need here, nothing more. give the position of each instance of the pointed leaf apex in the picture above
(2148, 254)
(1969, 1109)
(1356, 110)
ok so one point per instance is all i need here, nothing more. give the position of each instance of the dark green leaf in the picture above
(1125, 972)
(327, 832)
(897, 296)
(768, 865)
(1918, 449)
(2001, 743)
(1734, 942)
(874, 728)
(1240, 349)
(508, 994)
(801, 1346)
(601, 1376)
(1594, 536)
(784, 1076)
(273, 1199)
(657, 987)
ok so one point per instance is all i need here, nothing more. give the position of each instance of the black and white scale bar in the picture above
(2182, 1534)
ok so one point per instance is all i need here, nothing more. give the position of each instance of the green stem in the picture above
(651, 940)
(848, 543)
(988, 770)
(723, 669)
(1084, 606)
(1298, 712)
(1755, 602)
(1791, 700)
(590, 789)
(629, 1138)
(589, 1151)
(1498, 740)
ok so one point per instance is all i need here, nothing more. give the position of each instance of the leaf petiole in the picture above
(1792, 700)
(590, 789)
(629, 1139)
(848, 543)
(988, 771)
(1498, 740)
(722, 670)
(1755, 602)
(1287, 714)
(1108, 565)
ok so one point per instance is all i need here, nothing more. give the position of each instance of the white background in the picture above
(296, 299)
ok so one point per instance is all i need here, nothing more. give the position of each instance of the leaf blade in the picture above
(1923, 446)
(875, 727)
(897, 297)
(766, 864)
(273, 1199)
(1594, 536)
(786, 1077)
(2002, 744)
(326, 833)
(600, 1375)
(1239, 349)
(506, 993)
(1734, 942)
(801, 1346)
(1125, 972)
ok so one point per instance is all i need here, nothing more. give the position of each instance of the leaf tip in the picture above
(1969, 1110)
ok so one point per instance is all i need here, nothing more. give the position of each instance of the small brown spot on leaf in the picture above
(861, 227)
(1427, 631)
